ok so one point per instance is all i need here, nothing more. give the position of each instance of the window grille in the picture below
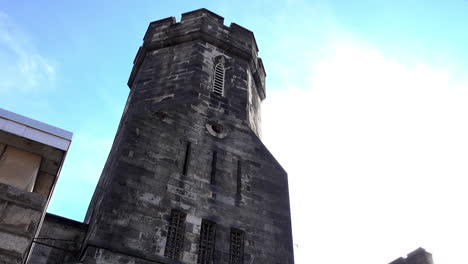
(175, 235)
(207, 242)
(236, 250)
(218, 80)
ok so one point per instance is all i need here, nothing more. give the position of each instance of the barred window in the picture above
(236, 249)
(218, 79)
(207, 242)
(175, 234)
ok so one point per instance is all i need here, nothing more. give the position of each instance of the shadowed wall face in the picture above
(59, 241)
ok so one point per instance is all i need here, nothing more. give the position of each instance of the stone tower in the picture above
(188, 180)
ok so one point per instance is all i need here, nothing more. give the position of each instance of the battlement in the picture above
(196, 14)
(201, 21)
(202, 24)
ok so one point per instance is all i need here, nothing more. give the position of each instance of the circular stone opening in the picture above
(217, 128)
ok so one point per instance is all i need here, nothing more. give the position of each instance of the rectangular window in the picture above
(18, 168)
(175, 234)
(207, 242)
(236, 248)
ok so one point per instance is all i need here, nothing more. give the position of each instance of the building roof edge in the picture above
(55, 131)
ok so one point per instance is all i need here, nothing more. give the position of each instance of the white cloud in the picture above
(23, 68)
(376, 152)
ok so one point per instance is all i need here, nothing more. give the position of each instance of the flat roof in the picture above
(32, 129)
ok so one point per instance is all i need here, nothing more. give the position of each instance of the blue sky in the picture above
(372, 95)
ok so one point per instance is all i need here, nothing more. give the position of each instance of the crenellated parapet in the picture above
(205, 25)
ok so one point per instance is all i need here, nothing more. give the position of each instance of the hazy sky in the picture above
(366, 109)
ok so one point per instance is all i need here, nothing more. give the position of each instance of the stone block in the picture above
(14, 243)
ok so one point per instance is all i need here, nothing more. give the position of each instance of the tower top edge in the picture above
(196, 16)
(197, 12)
(203, 24)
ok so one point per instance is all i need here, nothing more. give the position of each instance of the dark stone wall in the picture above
(419, 256)
(59, 241)
(148, 172)
(20, 215)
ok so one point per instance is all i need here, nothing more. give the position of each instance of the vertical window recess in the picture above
(218, 79)
(207, 242)
(187, 158)
(236, 247)
(175, 234)
(213, 167)
(239, 177)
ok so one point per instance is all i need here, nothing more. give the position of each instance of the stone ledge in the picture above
(27, 199)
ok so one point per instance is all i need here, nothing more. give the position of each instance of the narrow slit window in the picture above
(207, 242)
(218, 80)
(213, 167)
(236, 247)
(187, 158)
(175, 235)
(239, 177)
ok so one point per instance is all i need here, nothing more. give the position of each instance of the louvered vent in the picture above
(218, 83)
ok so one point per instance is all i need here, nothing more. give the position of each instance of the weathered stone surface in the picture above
(59, 241)
(20, 215)
(13, 243)
(163, 153)
(19, 219)
(9, 258)
(27, 199)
